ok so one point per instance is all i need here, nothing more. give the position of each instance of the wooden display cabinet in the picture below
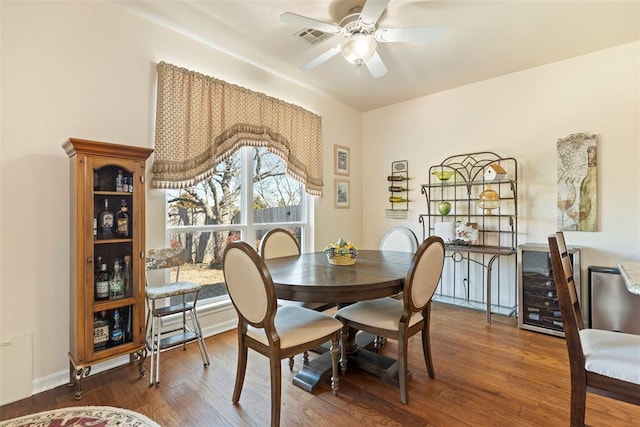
(95, 168)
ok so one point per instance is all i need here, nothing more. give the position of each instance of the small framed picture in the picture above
(341, 160)
(341, 189)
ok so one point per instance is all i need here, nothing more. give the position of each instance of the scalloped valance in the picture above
(200, 121)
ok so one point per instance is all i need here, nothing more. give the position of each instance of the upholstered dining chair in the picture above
(399, 320)
(399, 238)
(186, 293)
(275, 332)
(602, 362)
(279, 242)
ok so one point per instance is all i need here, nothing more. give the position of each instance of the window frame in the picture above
(247, 227)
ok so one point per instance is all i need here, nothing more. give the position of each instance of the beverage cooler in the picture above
(613, 307)
(538, 308)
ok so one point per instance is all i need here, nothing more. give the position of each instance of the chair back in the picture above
(572, 321)
(424, 274)
(249, 284)
(163, 258)
(401, 239)
(278, 243)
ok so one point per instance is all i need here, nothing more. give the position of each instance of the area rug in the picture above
(86, 416)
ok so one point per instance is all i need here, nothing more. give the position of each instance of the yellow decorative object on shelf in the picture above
(341, 253)
(489, 200)
(397, 199)
(443, 175)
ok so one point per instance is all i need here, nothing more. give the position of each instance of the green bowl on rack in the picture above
(443, 175)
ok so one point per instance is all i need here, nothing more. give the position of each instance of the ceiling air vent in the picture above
(313, 36)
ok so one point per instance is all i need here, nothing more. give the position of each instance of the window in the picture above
(245, 196)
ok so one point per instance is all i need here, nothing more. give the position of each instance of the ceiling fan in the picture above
(362, 35)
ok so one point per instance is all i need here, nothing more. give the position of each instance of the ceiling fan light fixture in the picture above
(358, 48)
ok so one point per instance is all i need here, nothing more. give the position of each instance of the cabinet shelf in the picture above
(462, 182)
(99, 241)
(105, 305)
(492, 250)
(468, 215)
(112, 193)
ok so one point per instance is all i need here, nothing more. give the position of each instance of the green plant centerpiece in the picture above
(341, 253)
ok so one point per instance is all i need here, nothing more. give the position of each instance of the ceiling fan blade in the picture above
(322, 57)
(372, 10)
(375, 66)
(303, 21)
(409, 34)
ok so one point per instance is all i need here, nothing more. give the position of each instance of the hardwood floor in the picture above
(486, 375)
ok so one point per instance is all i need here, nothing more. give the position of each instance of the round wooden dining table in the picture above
(311, 278)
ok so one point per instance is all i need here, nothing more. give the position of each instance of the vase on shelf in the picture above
(488, 200)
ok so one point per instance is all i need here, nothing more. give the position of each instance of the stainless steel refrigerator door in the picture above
(613, 307)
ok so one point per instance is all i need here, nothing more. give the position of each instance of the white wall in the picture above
(523, 115)
(87, 70)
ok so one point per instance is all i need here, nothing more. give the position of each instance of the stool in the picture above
(188, 328)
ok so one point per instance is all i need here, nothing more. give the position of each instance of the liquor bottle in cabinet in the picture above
(107, 188)
(538, 308)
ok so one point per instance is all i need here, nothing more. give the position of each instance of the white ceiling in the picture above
(482, 39)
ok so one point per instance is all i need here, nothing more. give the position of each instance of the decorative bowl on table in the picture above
(443, 175)
(341, 253)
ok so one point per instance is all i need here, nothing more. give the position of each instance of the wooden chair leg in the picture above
(276, 378)
(426, 341)
(426, 351)
(291, 363)
(578, 401)
(335, 373)
(345, 339)
(242, 368)
(403, 374)
(305, 358)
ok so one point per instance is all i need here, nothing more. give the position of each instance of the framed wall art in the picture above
(341, 190)
(341, 160)
(577, 198)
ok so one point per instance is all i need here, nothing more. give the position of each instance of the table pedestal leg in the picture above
(385, 368)
(318, 370)
(359, 356)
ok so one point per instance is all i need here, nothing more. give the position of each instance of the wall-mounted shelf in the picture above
(474, 208)
(398, 189)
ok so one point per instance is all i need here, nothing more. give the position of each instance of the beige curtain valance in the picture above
(200, 121)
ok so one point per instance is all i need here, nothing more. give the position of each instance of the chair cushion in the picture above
(296, 325)
(171, 289)
(612, 354)
(383, 313)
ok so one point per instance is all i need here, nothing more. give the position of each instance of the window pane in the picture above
(215, 200)
(276, 196)
(205, 217)
(203, 252)
(296, 231)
